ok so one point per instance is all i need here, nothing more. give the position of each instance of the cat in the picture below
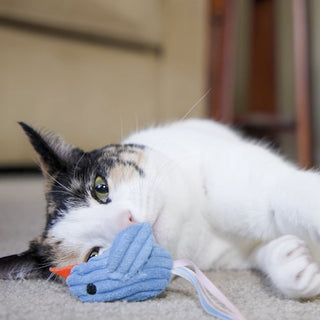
(210, 194)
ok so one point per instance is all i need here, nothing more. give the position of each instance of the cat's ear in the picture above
(25, 265)
(53, 152)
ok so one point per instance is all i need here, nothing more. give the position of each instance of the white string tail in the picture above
(212, 299)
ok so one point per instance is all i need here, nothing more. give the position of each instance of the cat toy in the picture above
(135, 268)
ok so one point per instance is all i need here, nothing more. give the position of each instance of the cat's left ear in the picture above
(54, 153)
(25, 265)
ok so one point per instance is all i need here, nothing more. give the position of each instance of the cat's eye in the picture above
(101, 189)
(93, 253)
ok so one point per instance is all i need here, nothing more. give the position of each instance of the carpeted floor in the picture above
(22, 218)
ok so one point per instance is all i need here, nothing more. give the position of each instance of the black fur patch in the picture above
(26, 265)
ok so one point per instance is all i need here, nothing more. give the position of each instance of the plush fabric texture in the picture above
(133, 269)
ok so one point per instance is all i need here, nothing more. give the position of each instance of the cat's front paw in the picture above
(289, 264)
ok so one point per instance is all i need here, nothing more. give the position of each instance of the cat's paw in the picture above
(289, 264)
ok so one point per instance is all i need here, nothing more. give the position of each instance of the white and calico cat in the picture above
(210, 195)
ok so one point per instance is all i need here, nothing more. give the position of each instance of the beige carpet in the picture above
(22, 218)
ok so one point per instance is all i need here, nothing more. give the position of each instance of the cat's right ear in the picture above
(53, 152)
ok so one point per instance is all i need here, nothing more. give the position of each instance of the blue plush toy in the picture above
(135, 268)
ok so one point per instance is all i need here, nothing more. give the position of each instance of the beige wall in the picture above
(95, 93)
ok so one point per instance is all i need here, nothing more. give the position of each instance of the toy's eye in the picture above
(101, 189)
(94, 252)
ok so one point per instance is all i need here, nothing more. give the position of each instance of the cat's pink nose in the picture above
(130, 217)
(127, 219)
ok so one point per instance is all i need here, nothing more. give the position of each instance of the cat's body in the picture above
(211, 196)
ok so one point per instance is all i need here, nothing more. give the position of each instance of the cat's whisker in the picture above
(52, 276)
(77, 164)
(68, 190)
(67, 193)
(121, 128)
(73, 194)
(59, 183)
(196, 104)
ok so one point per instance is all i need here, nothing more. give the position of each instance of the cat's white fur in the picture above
(216, 198)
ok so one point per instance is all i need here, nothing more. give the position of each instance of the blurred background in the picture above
(96, 70)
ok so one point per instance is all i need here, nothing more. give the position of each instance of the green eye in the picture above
(94, 252)
(101, 189)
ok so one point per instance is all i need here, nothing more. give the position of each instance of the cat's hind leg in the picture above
(288, 263)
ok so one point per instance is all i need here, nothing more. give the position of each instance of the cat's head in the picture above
(90, 197)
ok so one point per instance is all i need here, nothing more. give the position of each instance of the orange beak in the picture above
(62, 272)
